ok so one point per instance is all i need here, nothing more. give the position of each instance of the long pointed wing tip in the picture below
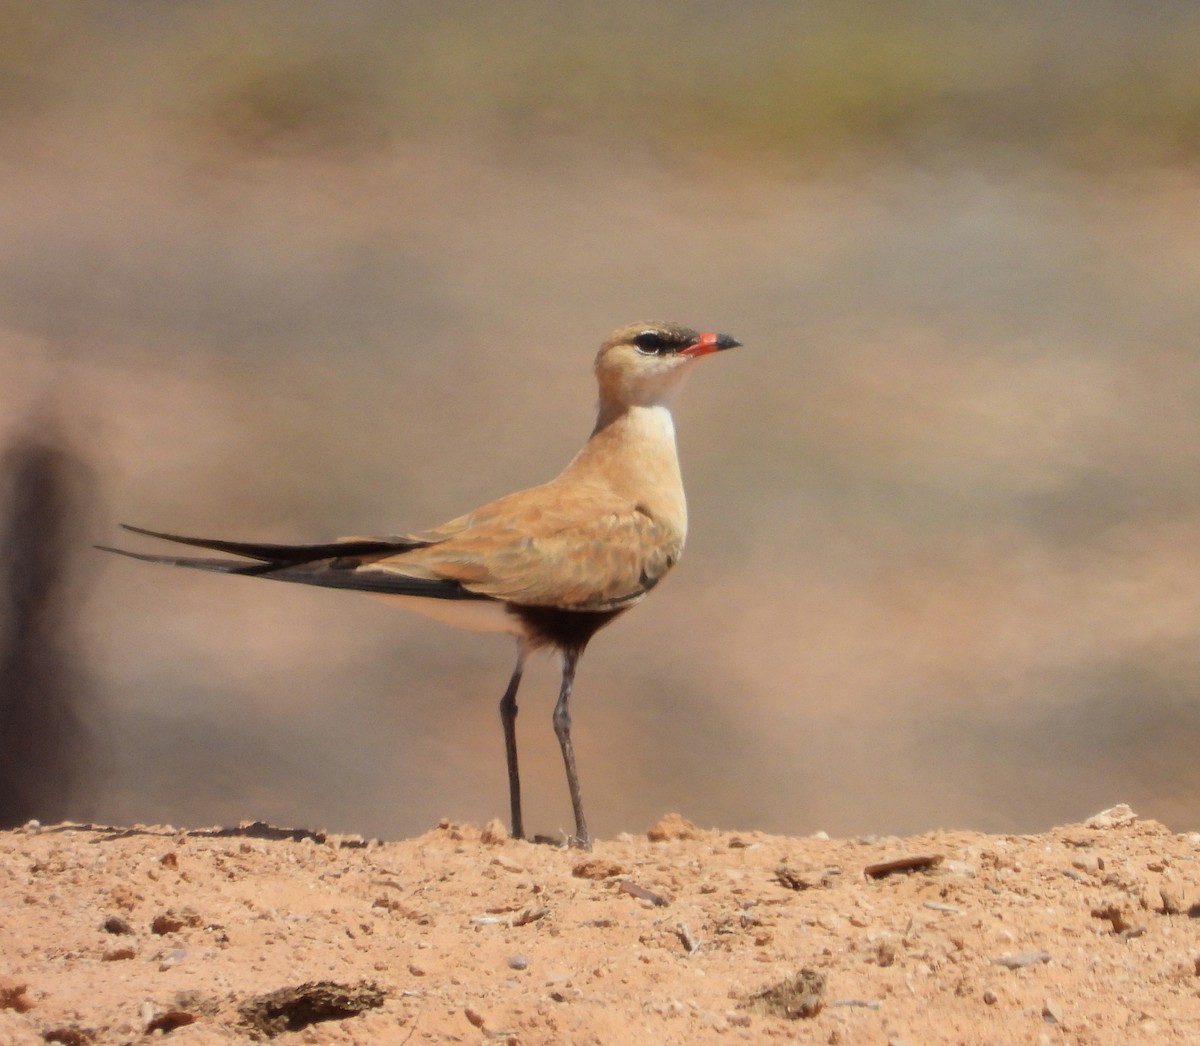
(133, 555)
(147, 532)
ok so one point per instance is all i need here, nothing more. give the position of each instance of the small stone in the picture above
(171, 921)
(474, 1016)
(1117, 916)
(672, 826)
(990, 997)
(117, 924)
(908, 863)
(1114, 817)
(597, 868)
(68, 1035)
(169, 1021)
(517, 962)
(657, 900)
(800, 879)
(885, 952)
(1171, 904)
(173, 958)
(494, 832)
(166, 923)
(1052, 1012)
(1017, 960)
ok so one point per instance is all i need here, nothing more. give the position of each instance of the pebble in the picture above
(1114, 817)
(173, 958)
(1020, 959)
(474, 1016)
(494, 832)
(117, 924)
(517, 962)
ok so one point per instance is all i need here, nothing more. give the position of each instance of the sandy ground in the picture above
(1088, 933)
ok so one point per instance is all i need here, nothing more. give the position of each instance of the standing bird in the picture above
(550, 565)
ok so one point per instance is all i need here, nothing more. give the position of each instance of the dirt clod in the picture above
(69, 1035)
(672, 826)
(793, 998)
(494, 833)
(169, 1021)
(12, 995)
(800, 879)
(117, 924)
(290, 1009)
(597, 868)
(171, 921)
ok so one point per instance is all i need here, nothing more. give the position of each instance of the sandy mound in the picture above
(1089, 933)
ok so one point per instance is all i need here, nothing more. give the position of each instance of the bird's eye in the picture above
(651, 343)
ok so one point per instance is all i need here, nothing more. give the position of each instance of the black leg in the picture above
(508, 717)
(562, 729)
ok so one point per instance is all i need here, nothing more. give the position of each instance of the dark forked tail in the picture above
(349, 564)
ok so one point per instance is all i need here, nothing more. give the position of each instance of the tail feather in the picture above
(290, 554)
(333, 565)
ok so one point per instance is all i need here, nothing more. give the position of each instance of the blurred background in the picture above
(298, 269)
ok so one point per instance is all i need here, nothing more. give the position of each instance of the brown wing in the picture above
(583, 548)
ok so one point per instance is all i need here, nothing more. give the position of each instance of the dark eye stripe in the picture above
(653, 342)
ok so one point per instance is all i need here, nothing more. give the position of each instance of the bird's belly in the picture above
(478, 615)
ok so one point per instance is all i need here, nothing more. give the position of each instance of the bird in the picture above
(551, 564)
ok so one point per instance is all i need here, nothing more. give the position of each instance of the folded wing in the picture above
(586, 551)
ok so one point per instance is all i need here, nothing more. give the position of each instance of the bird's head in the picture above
(644, 363)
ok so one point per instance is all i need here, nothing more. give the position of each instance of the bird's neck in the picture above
(632, 451)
